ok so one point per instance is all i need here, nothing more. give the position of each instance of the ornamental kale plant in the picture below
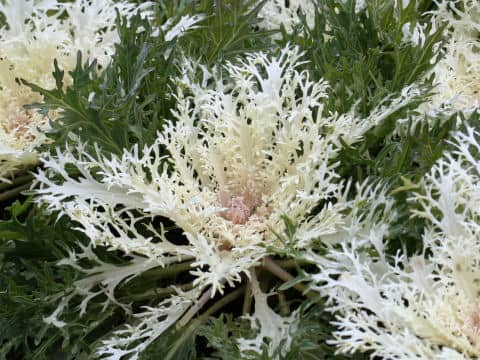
(240, 155)
(421, 306)
(239, 179)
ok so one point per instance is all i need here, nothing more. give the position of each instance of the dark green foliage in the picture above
(229, 30)
(407, 155)
(308, 339)
(222, 334)
(312, 333)
(30, 245)
(362, 55)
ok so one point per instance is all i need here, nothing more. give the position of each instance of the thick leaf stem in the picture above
(7, 195)
(202, 318)
(247, 300)
(272, 267)
(21, 180)
(156, 293)
(168, 271)
(207, 295)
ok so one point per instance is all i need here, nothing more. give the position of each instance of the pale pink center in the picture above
(239, 208)
(237, 212)
(472, 325)
(474, 320)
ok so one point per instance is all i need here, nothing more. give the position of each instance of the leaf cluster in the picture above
(230, 30)
(308, 337)
(363, 54)
(30, 245)
(366, 58)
